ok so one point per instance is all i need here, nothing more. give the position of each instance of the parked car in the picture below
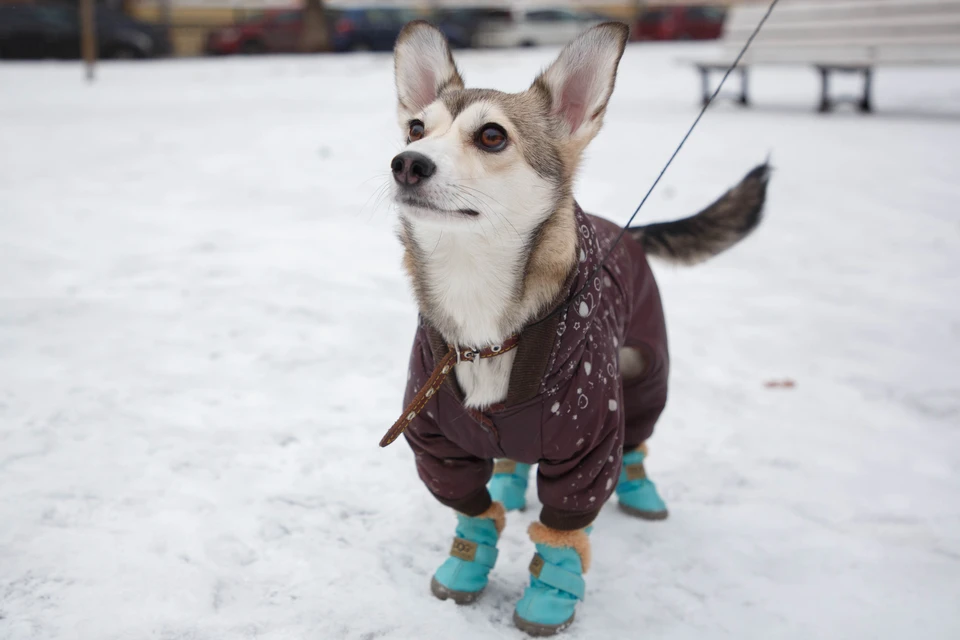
(351, 29)
(268, 31)
(535, 28)
(680, 23)
(462, 24)
(51, 30)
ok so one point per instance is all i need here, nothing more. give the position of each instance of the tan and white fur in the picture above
(489, 235)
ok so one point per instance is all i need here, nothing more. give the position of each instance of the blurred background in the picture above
(157, 28)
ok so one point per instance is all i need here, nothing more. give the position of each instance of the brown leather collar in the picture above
(470, 355)
(444, 367)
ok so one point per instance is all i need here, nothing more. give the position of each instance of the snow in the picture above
(205, 331)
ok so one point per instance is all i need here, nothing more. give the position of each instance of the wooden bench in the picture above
(840, 36)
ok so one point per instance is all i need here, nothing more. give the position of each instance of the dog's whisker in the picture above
(379, 197)
(482, 220)
(470, 204)
(542, 187)
(475, 194)
(380, 175)
(439, 238)
(374, 197)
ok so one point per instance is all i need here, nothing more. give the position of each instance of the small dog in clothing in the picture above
(534, 346)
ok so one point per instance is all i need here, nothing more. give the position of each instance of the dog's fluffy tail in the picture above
(715, 229)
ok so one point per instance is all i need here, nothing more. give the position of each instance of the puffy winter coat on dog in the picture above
(567, 407)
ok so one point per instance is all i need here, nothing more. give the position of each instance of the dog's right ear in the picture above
(423, 66)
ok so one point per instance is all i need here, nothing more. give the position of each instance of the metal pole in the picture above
(88, 36)
(166, 16)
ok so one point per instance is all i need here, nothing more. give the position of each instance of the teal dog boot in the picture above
(463, 576)
(509, 484)
(637, 494)
(556, 585)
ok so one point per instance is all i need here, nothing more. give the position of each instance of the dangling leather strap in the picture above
(444, 367)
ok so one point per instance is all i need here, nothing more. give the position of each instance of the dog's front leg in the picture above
(464, 575)
(556, 585)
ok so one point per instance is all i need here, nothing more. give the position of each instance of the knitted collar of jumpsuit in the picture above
(563, 408)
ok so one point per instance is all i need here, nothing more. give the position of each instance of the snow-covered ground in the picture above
(204, 331)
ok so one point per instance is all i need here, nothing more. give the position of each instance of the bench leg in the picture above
(866, 104)
(825, 104)
(744, 87)
(705, 85)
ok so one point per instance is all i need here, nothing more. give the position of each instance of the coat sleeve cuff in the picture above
(472, 505)
(567, 520)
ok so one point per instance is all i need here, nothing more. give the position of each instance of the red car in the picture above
(680, 23)
(270, 31)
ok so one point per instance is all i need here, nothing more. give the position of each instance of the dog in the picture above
(541, 337)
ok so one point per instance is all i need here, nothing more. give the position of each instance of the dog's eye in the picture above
(491, 137)
(416, 130)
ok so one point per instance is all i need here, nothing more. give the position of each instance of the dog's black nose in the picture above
(410, 168)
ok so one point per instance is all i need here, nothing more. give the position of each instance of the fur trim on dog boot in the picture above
(637, 494)
(463, 576)
(556, 585)
(509, 484)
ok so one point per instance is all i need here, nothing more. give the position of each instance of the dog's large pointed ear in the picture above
(423, 66)
(579, 83)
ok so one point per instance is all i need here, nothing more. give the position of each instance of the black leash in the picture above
(626, 227)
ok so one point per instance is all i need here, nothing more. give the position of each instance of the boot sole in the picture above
(643, 515)
(460, 597)
(540, 630)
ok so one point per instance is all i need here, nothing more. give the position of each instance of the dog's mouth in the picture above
(412, 201)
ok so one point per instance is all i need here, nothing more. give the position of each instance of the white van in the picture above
(536, 27)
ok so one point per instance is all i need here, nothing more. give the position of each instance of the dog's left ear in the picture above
(579, 83)
(423, 66)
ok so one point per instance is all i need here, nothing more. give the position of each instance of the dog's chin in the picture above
(423, 210)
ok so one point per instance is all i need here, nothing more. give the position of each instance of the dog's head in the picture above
(488, 158)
